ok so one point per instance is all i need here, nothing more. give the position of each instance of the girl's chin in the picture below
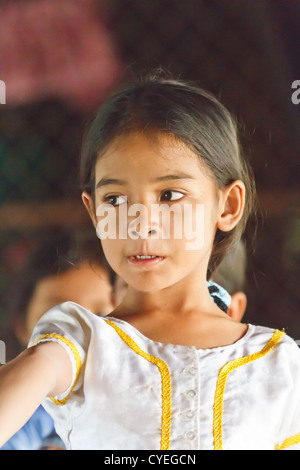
(147, 283)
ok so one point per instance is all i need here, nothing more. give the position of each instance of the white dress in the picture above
(130, 392)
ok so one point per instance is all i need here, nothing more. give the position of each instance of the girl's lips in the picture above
(145, 260)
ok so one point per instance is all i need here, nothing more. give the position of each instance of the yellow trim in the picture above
(76, 357)
(221, 382)
(290, 441)
(165, 381)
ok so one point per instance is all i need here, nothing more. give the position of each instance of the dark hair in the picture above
(188, 113)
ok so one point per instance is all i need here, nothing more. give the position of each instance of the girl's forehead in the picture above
(153, 149)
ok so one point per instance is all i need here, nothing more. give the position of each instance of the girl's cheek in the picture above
(193, 226)
(106, 217)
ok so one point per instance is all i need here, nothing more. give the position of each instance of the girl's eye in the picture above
(170, 195)
(115, 200)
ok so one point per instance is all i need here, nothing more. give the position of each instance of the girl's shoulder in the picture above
(67, 319)
(264, 332)
(275, 343)
(72, 326)
(75, 328)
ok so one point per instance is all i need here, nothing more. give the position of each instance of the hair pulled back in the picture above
(190, 114)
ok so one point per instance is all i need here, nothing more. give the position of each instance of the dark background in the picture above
(246, 52)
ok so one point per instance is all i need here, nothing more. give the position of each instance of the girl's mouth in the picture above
(145, 260)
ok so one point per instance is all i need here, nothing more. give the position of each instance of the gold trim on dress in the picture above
(221, 382)
(166, 417)
(290, 441)
(76, 357)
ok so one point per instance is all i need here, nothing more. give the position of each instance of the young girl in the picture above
(168, 369)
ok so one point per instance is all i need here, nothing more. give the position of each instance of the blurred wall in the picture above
(59, 62)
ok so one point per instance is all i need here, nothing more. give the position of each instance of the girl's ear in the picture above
(237, 306)
(232, 203)
(89, 204)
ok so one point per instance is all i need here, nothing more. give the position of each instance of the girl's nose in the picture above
(140, 230)
(145, 225)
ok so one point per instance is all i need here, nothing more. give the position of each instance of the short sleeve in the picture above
(289, 431)
(67, 325)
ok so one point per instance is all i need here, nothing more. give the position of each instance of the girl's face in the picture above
(156, 208)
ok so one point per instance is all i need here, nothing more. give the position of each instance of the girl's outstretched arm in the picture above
(39, 371)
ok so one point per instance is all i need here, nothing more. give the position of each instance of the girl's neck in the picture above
(178, 299)
(177, 316)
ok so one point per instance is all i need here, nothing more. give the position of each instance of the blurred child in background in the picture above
(231, 275)
(62, 267)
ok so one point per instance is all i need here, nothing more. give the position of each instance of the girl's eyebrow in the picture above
(107, 181)
(180, 176)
